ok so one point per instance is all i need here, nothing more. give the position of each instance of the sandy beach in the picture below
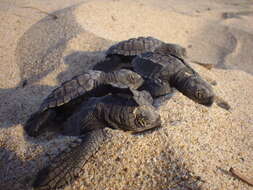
(44, 43)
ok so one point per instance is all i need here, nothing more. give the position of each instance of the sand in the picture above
(196, 145)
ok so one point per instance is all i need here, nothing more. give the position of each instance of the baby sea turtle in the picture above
(62, 102)
(132, 112)
(175, 72)
(121, 54)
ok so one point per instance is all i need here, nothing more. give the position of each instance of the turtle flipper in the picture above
(38, 121)
(67, 166)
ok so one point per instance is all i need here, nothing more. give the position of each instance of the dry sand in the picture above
(196, 145)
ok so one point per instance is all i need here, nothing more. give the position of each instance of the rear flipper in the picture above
(39, 121)
(67, 166)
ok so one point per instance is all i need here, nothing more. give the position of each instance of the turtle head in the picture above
(146, 117)
(172, 49)
(199, 91)
(129, 78)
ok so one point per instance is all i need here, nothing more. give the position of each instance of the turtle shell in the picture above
(91, 83)
(134, 46)
(121, 54)
(70, 90)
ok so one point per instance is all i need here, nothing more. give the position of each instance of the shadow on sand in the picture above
(39, 52)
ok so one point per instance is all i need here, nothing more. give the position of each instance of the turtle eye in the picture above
(131, 78)
(199, 93)
(141, 120)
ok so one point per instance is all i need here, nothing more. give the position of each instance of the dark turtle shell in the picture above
(91, 83)
(134, 46)
(121, 54)
(70, 90)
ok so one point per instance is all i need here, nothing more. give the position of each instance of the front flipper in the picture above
(67, 166)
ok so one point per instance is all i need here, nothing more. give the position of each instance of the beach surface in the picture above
(44, 43)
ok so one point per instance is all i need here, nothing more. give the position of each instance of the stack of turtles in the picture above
(118, 93)
(161, 65)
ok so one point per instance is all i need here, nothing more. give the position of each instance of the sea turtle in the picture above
(169, 69)
(132, 112)
(120, 55)
(62, 102)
